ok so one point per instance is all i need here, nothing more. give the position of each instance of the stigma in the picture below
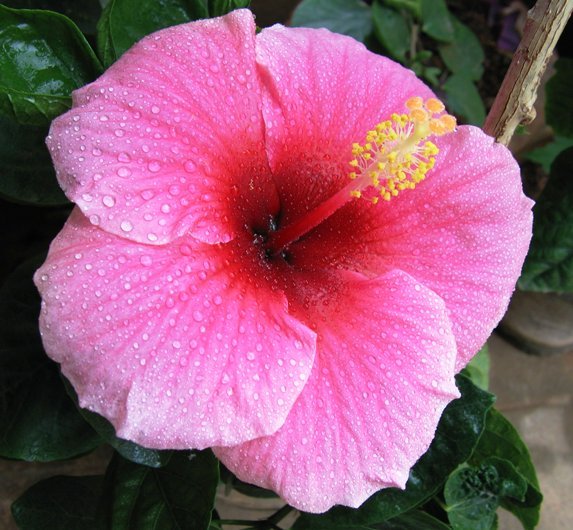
(397, 153)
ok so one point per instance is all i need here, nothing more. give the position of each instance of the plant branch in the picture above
(513, 105)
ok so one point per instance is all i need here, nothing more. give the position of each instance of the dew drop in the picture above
(123, 172)
(126, 226)
(154, 166)
(108, 201)
(190, 166)
(197, 316)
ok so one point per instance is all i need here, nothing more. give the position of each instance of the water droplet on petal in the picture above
(108, 201)
(126, 226)
(154, 166)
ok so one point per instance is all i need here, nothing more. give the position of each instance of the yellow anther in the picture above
(437, 127)
(397, 154)
(414, 103)
(435, 106)
(419, 115)
(449, 122)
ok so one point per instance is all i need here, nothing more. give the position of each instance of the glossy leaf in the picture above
(349, 17)
(456, 437)
(218, 8)
(414, 520)
(84, 13)
(473, 494)
(464, 54)
(45, 57)
(549, 263)
(500, 439)
(179, 495)
(38, 421)
(559, 98)
(545, 155)
(124, 22)
(26, 171)
(60, 503)
(412, 6)
(436, 20)
(392, 30)
(464, 100)
(478, 368)
(129, 450)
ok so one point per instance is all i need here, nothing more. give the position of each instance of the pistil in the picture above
(395, 156)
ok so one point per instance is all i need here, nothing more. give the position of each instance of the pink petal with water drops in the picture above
(322, 92)
(155, 149)
(176, 345)
(382, 376)
(463, 232)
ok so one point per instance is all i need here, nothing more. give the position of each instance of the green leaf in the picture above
(549, 263)
(458, 433)
(38, 421)
(545, 155)
(129, 450)
(464, 54)
(124, 22)
(45, 57)
(349, 17)
(392, 30)
(414, 520)
(179, 495)
(26, 171)
(500, 439)
(463, 99)
(83, 12)
(60, 503)
(218, 8)
(559, 98)
(412, 6)
(478, 368)
(436, 20)
(473, 494)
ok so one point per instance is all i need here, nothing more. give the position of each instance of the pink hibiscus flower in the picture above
(202, 294)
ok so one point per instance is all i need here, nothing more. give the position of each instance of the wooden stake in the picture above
(513, 104)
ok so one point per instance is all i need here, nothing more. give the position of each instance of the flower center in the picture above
(396, 156)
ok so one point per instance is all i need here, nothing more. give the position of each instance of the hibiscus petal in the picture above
(322, 92)
(463, 232)
(383, 373)
(155, 149)
(170, 343)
